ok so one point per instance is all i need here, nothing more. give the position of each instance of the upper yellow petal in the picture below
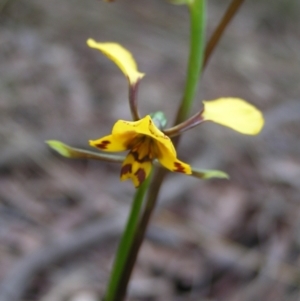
(235, 113)
(144, 126)
(126, 134)
(124, 126)
(121, 57)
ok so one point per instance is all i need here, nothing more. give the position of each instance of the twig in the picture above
(16, 282)
(213, 41)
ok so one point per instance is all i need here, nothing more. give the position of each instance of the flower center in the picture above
(143, 149)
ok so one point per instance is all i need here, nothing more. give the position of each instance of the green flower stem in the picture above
(183, 124)
(141, 230)
(197, 38)
(198, 14)
(125, 244)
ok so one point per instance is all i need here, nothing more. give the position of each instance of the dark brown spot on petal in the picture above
(126, 169)
(178, 167)
(146, 158)
(103, 144)
(141, 175)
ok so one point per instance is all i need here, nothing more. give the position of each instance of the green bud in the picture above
(159, 119)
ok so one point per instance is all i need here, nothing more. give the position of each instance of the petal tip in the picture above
(121, 57)
(59, 147)
(91, 42)
(92, 142)
(205, 174)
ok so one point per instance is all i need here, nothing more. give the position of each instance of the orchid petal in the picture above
(111, 143)
(137, 171)
(169, 160)
(144, 126)
(121, 57)
(235, 113)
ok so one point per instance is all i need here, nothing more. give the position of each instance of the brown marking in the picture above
(141, 175)
(103, 144)
(135, 155)
(127, 168)
(178, 167)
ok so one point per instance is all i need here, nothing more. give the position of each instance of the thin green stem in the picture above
(126, 242)
(141, 230)
(197, 34)
(186, 124)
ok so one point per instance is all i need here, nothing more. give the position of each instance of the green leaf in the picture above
(77, 153)
(208, 174)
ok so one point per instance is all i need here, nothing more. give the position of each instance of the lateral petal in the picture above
(169, 161)
(111, 143)
(121, 57)
(235, 113)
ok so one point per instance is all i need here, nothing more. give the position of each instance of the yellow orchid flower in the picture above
(147, 139)
(146, 143)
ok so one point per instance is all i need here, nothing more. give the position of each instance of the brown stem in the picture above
(154, 189)
(133, 101)
(214, 39)
(184, 126)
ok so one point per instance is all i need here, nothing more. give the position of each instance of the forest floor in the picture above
(60, 219)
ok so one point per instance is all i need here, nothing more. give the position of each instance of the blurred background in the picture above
(60, 219)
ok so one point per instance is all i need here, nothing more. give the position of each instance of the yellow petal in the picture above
(144, 126)
(121, 57)
(235, 113)
(137, 171)
(169, 161)
(110, 143)
(162, 146)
